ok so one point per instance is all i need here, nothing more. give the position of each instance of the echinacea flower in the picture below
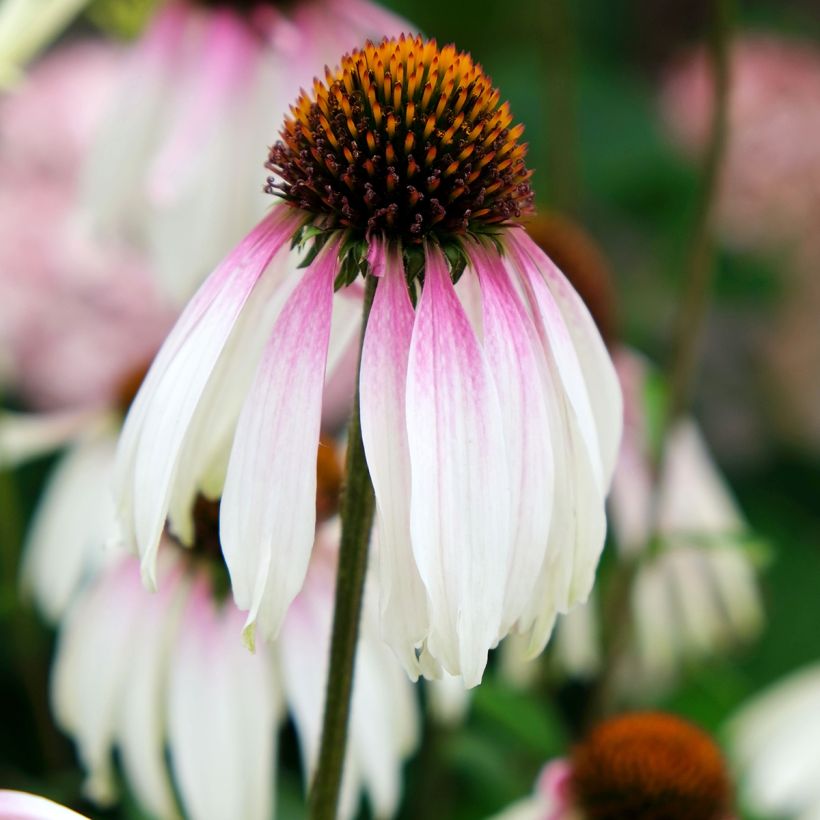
(190, 712)
(773, 743)
(490, 410)
(176, 163)
(640, 766)
(24, 806)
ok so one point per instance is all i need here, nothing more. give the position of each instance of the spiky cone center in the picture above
(406, 139)
(646, 766)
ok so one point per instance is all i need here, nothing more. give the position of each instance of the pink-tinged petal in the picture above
(230, 49)
(268, 507)
(223, 707)
(513, 353)
(161, 415)
(460, 512)
(382, 386)
(558, 342)
(590, 353)
(23, 806)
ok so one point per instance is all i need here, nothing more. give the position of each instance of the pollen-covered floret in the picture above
(404, 138)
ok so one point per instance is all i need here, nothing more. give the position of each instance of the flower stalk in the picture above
(357, 509)
(699, 275)
(700, 267)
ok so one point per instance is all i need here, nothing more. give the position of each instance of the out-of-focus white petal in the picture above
(773, 740)
(510, 345)
(74, 520)
(23, 806)
(736, 587)
(25, 436)
(448, 701)
(656, 622)
(383, 723)
(576, 643)
(693, 496)
(222, 710)
(91, 667)
(384, 433)
(160, 417)
(460, 490)
(142, 711)
(268, 511)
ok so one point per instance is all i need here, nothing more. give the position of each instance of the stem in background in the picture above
(559, 90)
(700, 267)
(357, 508)
(699, 275)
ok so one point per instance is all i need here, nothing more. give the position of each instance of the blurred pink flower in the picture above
(770, 191)
(77, 316)
(178, 163)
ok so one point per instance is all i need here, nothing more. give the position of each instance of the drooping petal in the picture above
(556, 338)
(602, 385)
(156, 427)
(382, 386)
(268, 506)
(460, 503)
(86, 692)
(223, 706)
(511, 347)
(73, 520)
(142, 713)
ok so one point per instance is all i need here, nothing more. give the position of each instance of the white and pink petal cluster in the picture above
(490, 413)
(194, 717)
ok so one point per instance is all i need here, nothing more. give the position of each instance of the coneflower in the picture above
(490, 411)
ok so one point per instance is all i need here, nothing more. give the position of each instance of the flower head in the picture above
(645, 765)
(405, 138)
(482, 375)
(640, 766)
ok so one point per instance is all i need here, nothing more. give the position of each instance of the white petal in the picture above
(512, 349)
(73, 521)
(160, 417)
(25, 436)
(384, 432)
(222, 712)
(460, 511)
(599, 375)
(268, 509)
(141, 732)
(87, 690)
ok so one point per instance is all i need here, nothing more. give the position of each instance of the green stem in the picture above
(357, 508)
(699, 276)
(700, 267)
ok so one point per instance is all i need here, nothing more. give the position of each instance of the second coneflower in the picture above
(490, 411)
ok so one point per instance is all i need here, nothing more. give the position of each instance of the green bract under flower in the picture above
(405, 139)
